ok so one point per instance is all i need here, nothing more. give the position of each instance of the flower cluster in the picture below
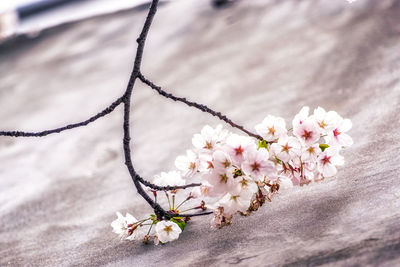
(130, 228)
(238, 174)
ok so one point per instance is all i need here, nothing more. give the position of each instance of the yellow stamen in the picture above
(168, 229)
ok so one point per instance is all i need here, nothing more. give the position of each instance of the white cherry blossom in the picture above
(167, 231)
(209, 138)
(221, 160)
(188, 164)
(243, 183)
(325, 120)
(338, 136)
(328, 160)
(124, 226)
(236, 176)
(310, 153)
(284, 182)
(205, 162)
(238, 202)
(271, 128)
(200, 191)
(169, 178)
(220, 180)
(286, 148)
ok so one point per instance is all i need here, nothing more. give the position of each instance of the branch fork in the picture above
(125, 99)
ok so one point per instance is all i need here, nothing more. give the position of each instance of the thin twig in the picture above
(159, 211)
(165, 188)
(201, 107)
(103, 113)
(194, 214)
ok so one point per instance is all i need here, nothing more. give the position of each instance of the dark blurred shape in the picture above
(221, 3)
(34, 8)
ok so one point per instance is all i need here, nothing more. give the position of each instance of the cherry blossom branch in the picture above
(250, 185)
(126, 101)
(166, 188)
(101, 114)
(201, 107)
(159, 211)
(137, 180)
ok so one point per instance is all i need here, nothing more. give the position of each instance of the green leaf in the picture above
(263, 144)
(179, 221)
(323, 147)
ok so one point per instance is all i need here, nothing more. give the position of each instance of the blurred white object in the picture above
(11, 24)
(8, 23)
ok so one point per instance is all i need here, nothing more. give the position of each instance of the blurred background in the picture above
(31, 16)
(63, 61)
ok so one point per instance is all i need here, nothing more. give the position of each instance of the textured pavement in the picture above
(253, 58)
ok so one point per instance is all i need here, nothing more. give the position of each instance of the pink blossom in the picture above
(300, 117)
(338, 136)
(220, 181)
(308, 132)
(257, 164)
(237, 146)
(328, 160)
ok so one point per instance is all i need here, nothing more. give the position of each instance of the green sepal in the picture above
(237, 173)
(263, 144)
(179, 221)
(153, 217)
(323, 147)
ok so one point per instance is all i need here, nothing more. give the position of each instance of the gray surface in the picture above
(59, 193)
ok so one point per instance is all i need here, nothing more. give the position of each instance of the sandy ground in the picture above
(60, 193)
